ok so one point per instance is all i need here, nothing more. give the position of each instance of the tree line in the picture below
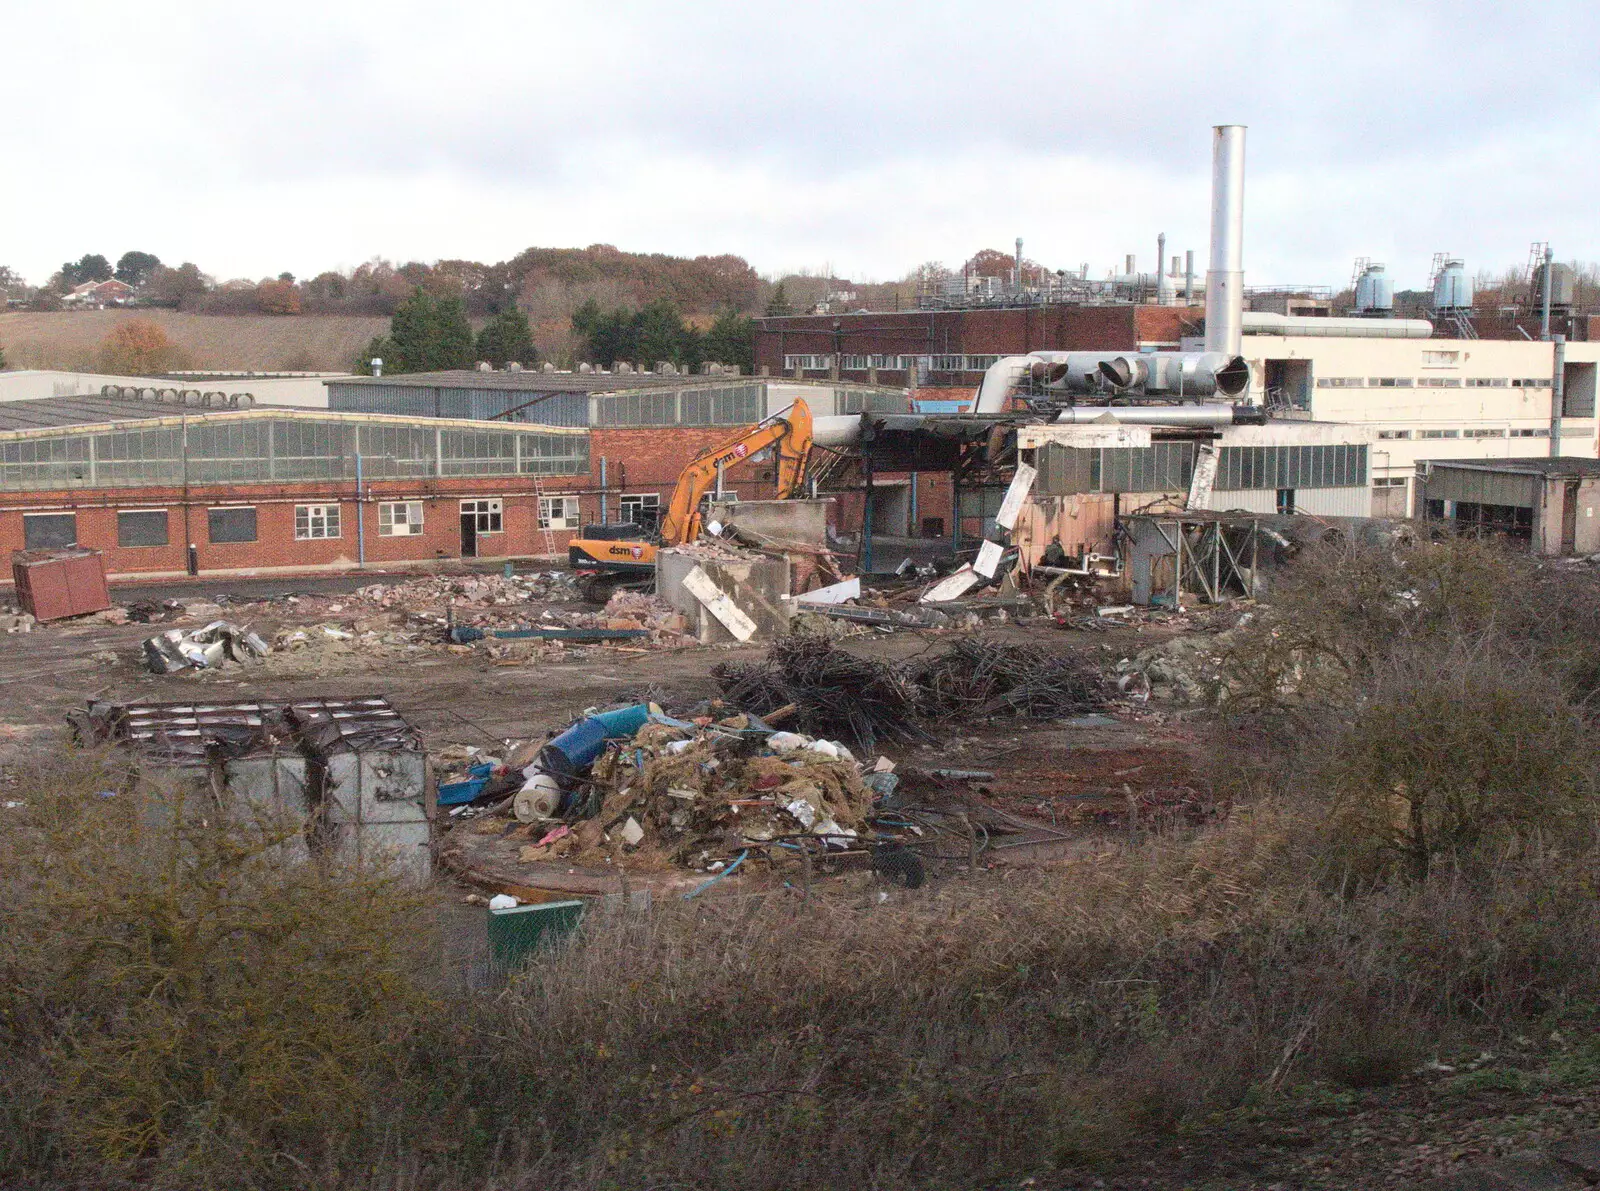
(432, 333)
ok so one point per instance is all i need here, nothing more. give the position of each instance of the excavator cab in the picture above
(607, 557)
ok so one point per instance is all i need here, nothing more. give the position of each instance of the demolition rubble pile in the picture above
(861, 700)
(506, 618)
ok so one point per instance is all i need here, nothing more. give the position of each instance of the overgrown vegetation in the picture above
(1411, 869)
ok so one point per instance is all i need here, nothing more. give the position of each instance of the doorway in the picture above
(469, 535)
(1569, 519)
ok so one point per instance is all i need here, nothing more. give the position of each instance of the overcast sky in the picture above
(869, 136)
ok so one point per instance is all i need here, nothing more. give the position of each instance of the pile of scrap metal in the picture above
(347, 777)
(208, 648)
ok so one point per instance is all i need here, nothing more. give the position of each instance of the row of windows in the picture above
(1432, 382)
(282, 449)
(729, 405)
(1478, 432)
(227, 524)
(946, 362)
(1338, 466)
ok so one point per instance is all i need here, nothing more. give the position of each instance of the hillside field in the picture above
(296, 343)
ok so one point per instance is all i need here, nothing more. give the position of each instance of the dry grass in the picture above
(170, 1014)
(72, 340)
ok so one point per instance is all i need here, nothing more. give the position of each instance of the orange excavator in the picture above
(610, 556)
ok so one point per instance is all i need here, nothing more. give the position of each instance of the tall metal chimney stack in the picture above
(1225, 277)
(1188, 276)
(1163, 282)
(1019, 264)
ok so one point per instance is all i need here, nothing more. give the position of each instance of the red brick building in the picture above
(165, 489)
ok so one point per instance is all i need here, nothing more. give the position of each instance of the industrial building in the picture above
(167, 484)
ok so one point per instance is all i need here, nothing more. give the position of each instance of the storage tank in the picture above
(1562, 285)
(1374, 292)
(1452, 289)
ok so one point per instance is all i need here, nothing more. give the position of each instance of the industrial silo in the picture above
(1374, 293)
(1452, 288)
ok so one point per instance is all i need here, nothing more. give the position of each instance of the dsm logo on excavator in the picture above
(623, 551)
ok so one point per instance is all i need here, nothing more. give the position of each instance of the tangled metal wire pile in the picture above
(980, 678)
(835, 693)
(839, 694)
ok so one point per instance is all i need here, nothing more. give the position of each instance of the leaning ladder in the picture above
(541, 519)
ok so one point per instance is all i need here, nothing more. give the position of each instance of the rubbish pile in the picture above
(210, 648)
(636, 788)
(859, 700)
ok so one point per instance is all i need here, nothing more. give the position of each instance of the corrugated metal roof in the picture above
(45, 412)
(540, 382)
(1543, 465)
(23, 419)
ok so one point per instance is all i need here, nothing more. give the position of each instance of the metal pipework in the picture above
(1225, 277)
(1001, 378)
(1163, 282)
(1165, 415)
(1261, 322)
(1183, 374)
(1188, 276)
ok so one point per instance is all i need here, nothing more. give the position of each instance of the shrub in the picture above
(177, 991)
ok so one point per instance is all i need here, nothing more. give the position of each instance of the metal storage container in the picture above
(56, 583)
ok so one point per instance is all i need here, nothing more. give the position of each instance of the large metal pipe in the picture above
(1182, 374)
(1225, 278)
(1165, 415)
(835, 430)
(1261, 322)
(1163, 282)
(1188, 276)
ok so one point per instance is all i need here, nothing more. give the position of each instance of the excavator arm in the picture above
(788, 432)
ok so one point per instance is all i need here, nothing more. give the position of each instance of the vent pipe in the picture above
(1163, 282)
(1188, 277)
(1019, 264)
(1225, 277)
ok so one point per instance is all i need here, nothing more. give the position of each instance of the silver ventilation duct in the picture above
(1225, 278)
(1180, 375)
(1165, 415)
(1261, 322)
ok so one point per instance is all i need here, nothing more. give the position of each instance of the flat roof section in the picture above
(1544, 465)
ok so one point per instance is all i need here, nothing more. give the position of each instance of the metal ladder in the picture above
(541, 520)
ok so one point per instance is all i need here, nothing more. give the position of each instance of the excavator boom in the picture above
(609, 555)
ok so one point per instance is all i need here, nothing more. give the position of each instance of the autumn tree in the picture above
(139, 347)
(180, 288)
(507, 337)
(136, 268)
(278, 297)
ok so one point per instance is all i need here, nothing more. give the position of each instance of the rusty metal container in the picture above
(56, 583)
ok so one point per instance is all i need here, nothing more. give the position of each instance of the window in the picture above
(1530, 382)
(1540, 433)
(1339, 466)
(142, 527)
(1388, 382)
(1441, 359)
(1440, 382)
(1340, 382)
(399, 519)
(1392, 482)
(233, 524)
(1495, 433)
(1488, 382)
(486, 514)
(558, 512)
(316, 521)
(1394, 434)
(1439, 434)
(49, 531)
(641, 508)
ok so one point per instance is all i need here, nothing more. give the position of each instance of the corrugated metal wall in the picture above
(425, 401)
(1480, 487)
(1323, 502)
